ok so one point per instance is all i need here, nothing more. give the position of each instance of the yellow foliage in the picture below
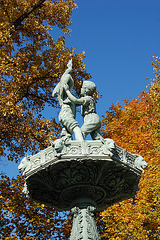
(31, 64)
(136, 128)
(23, 218)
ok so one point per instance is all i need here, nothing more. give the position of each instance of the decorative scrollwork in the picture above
(84, 225)
(72, 149)
(75, 150)
(106, 182)
(93, 149)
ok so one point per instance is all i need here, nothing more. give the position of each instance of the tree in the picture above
(22, 218)
(31, 63)
(136, 128)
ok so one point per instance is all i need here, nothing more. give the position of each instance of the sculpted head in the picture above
(111, 144)
(25, 164)
(58, 144)
(140, 163)
(88, 88)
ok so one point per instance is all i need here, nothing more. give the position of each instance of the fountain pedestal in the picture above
(84, 222)
(82, 177)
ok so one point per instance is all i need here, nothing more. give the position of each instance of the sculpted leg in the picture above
(96, 135)
(84, 135)
(78, 133)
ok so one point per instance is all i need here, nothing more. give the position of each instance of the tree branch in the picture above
(18, 21)
(26, 91)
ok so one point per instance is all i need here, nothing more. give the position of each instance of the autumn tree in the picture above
(136, 128)
(31, 64)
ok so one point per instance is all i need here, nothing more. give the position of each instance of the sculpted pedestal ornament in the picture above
(80, 175)
(84, 176)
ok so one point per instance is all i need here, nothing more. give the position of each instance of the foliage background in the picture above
(119, 39)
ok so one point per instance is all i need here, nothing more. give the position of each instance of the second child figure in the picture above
(92, 122)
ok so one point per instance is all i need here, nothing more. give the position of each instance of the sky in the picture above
(119, 38)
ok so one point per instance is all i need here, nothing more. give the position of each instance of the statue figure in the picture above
(108, 146)
(25, 164)
(59, 144)
(140, 163)
(68, 108)
(59, 147)
(92, 122)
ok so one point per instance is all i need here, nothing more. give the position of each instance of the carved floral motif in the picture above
(60, 184)
(84, 225)
(88, 148)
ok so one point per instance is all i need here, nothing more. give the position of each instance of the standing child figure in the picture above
(68, 108)
(92, 122)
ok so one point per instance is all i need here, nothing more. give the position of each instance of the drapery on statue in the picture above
(68, 104)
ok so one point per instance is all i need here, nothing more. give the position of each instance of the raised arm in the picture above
(78, 101)
(69, 67)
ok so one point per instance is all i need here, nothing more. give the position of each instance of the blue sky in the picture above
(119, 38)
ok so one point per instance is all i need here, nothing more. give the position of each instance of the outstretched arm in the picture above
(78, 101)
(69, 67)
(68, 70)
